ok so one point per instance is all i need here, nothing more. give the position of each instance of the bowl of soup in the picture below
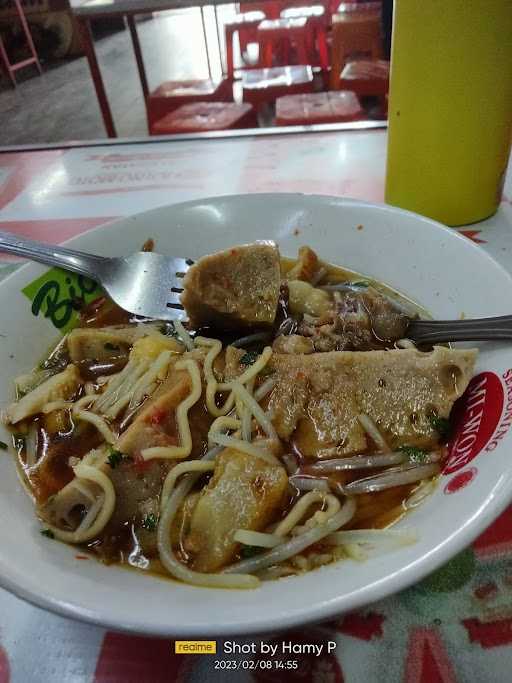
(280, 453)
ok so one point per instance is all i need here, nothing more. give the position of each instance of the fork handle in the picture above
(480, 329)
(89, 265)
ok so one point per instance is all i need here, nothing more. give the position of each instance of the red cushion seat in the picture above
(172, 94)
(366, 77)
(322, 107)
(198, 117)
(265, 85)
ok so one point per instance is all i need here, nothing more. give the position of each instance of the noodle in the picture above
(84, 490)
(184, 450)
(306, 483)
(212, 386)
(244, 447)
(177, 471)
(211, 381)
(55, 405)
(98, 422)
(392, 477)
(135, 393)
(265, 388)
(255, 409)
(223, 423)
(358, 462)
(253, 370)
(405, 344)
(144, 384)
(84, 533)
(296, 545)
(121, 385)
(84, 401)
(183, 334)
(302, 505)
(31, 446)
(256, 538)
(424, 489)
(247, 415)
(371, 429)
(400, 537)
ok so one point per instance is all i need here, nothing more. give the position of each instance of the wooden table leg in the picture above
(219, 43)
(206, 43)
(88, 45)
(337, 57)
(138, 55)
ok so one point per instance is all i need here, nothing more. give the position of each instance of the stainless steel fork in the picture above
(479, 329)
(144, 283)
(150, 284)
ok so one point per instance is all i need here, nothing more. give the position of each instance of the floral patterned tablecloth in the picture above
(456, 625)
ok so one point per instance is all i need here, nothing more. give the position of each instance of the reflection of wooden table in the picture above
(85, 10)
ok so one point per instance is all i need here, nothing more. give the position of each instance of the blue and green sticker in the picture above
(59, 295)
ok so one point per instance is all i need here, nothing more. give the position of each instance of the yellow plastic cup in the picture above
(450, 107)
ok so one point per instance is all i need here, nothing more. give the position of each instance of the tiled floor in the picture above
(62, 105)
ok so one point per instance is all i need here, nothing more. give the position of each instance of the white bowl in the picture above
(435, 266)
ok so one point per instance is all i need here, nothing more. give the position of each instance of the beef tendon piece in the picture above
(235, 288)
(318, 397)
(245, 492)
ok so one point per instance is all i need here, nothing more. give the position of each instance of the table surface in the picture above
(455, 626)
(105, 8)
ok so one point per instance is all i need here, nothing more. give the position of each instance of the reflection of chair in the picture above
(360, 7)
(270, 8)
(319, 107)
(173, 94)
(246, 25)
(318, 22)
(199, 117)
(9, 68)
(366, 77)
(354, 35)
(276, 37)
(260, 86)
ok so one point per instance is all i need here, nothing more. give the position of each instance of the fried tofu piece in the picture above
(93, 343)
(151, 346)
(235, 288)
(138, 484)
(87, 343)
(58, 387)
(318, 397)
(245, 492)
